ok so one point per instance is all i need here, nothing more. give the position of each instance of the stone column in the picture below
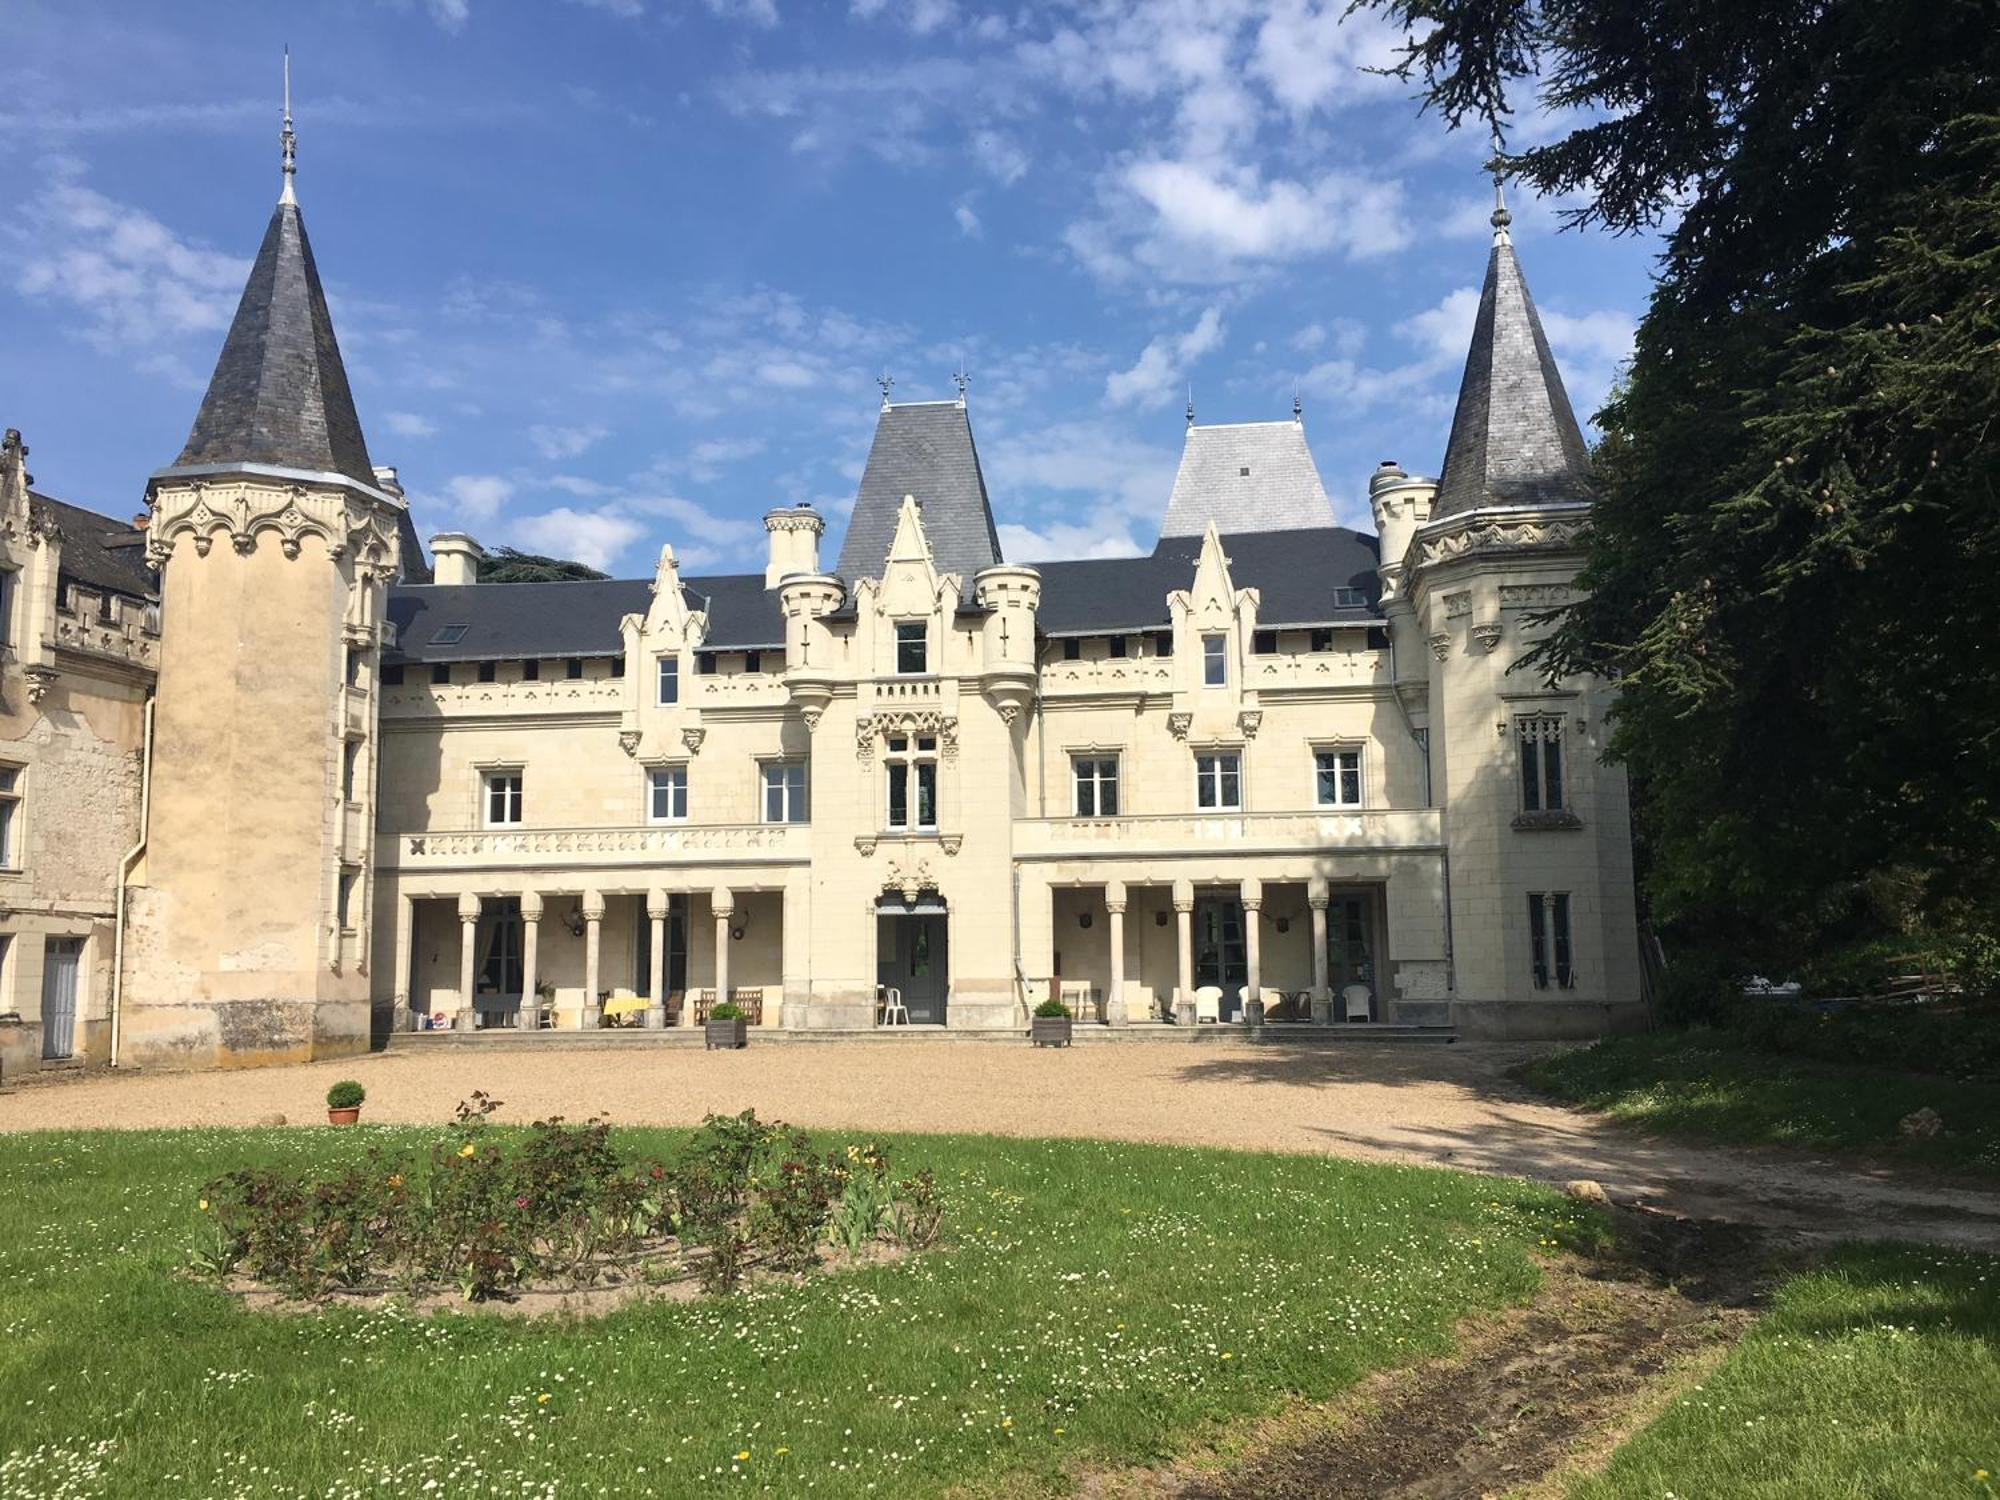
(531, 952)
(593, 930)
(468, 947)
(795, 951)
(656, 977)
(723, 904)
(1114, 999)
(406, 920)
(1253, 946)
(1322, 999)
(1184, 920)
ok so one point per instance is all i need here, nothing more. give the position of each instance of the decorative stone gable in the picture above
(1213, 608)
(672, 631)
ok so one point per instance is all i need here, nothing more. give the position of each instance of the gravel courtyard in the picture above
(1448, 1106)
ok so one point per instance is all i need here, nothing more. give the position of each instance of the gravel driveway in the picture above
(1449, 1106)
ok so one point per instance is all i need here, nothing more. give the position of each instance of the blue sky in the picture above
(609, 273)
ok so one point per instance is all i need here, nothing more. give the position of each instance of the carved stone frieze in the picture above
(692, 736)
(1250, 721)
(1500, 536)
(1535, 595)
(1178, 725)
(1457, 606)
(628, 741)
(1440, 645)
(908, 875)
(248, 509)
(1486, 634)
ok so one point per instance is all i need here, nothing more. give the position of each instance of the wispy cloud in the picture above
(556, 443)
(410, 424)
(1151, 380)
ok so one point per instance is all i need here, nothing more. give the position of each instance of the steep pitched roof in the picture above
(1514, 439)
(279, 395)
(1247, 476)
(578, 618)
(924, 449)
(98, 552)
(1294, 572)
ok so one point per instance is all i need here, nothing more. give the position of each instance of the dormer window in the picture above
(912, 648)
(1214, 661)
(449, 635)
(1349, 598)
(670, 680)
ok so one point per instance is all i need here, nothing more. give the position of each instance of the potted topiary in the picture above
(727, 1026)
(1051, 1025)
(343, 1102)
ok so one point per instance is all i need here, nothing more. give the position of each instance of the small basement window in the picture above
(449, 635)
(1243, 472)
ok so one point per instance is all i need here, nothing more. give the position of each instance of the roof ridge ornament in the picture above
(1190, 405)
(961, 378)
(888, 384)
(1501, 217)
(288, 139)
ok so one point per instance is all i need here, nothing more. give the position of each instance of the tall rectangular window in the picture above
(670, 679)
(667, 794)
(503, 798)
(6, 606)
(1096, 786)
(1549, 940)
(1214, 660)
(350, 768)
(785, 792)
(912, 772)
(1218, 781)
(912, 648)
(1337, 777)
(350, 887)
(1540, 738)
(10, 817)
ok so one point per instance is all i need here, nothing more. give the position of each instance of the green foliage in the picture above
(347, 1094)
(1791, 567)
(727, 1010)
(509, 565)
(1052, 1007)
(859, 1216)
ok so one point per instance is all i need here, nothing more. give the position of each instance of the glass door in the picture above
(1221, 957)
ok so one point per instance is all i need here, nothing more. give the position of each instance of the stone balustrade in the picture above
(568, 848)
(427, 700)
(1386, 831)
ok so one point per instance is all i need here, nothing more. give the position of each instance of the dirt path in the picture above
(1448, 1106)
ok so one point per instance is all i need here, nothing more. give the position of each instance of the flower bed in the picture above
(492, 1216)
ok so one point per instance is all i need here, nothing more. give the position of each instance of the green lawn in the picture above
(1100, 1302)
(1708, 1086)
(1877, 1376)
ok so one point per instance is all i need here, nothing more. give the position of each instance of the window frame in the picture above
(672, 778)
(667, 680)
(910, 774)
(1215, 660)
(1100, 777)
(797, 800)
(1551, 940)
(1340, 774)
(13, 816)
(917, 634)
(1223, 768)
(493, 784)
(1541, 783)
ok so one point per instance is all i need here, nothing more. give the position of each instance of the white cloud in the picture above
(595, 538)
(1234, 215)
(1151, 380)
(967, 220)
(1314, 54)
(757, 12)
(410, 424)
(450, 14)
(1604, 336)
(1001, 156)
(920, 16)
(476, 497)
(556, 443)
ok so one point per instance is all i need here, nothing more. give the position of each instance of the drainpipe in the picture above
(1444, 852)
(125, 866)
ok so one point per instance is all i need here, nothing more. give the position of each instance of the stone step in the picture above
(1370, 1033)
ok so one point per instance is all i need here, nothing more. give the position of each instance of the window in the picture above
(489, 671)
(1349, 598)
(531, 670)
(1072, 649)
(392, 676)
(449, 635)
(785, 792)
(670, 680)
(1548, 939)
(912, 653)
(1540, 738)
(10, 817)
(503, 798)
(350, 768)
(753, 661)
(1096, 786)
(1218, 781)
(617, 666)
(1320, 640)
(704, 663)
(1214, 660)
(6, 606)
(1243, 471)
(1338, 777)
(667, 794)
(441, 674)
(1264, 642)
(350, 884)
(1163, 643)
(573, 669)
(912, 770)
(1117, 647)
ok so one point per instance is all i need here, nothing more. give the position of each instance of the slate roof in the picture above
(98, 552)
(1281, 490)
(1295, 573)
(1514, 438)
(925, 449)
(279, 395)
(580, 618)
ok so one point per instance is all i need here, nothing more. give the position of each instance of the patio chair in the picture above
(537, 1013)
(889, 1008)
(1356, 1001)
(1208, 1004)
(752, 1002)
(1081, 998)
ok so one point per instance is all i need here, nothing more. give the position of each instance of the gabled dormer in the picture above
(660, 715)
(1213, 622)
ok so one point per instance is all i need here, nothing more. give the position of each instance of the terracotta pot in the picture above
(343, 1116)
(727, 1034)
(1051, 1031)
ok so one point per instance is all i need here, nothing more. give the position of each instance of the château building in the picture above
(299, 786)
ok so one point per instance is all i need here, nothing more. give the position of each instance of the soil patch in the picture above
(1530, 1391)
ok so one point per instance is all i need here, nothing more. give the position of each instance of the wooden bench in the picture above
(752, 1002)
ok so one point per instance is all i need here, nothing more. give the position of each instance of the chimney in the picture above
(455, 557)
(795, 532)
(386, 480)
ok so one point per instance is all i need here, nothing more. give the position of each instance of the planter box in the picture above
(730, 1034)
(1050, 1031)
(343, 1116)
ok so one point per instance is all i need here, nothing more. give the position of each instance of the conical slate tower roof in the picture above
(279, 394)
(922, 448)
(1514, 438)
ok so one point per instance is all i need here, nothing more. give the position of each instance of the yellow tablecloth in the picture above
(625, 1005)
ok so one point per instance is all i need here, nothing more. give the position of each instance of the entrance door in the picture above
(61, 959)
(916, 960)
(1220, 956)
(1350, 947)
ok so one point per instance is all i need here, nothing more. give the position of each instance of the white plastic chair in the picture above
(1355, 999)
(893, 1011)
(1081, 998)
(1208, 1004)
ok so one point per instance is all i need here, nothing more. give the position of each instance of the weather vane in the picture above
(286, 138)
(888, 383)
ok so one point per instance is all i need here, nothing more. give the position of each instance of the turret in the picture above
(1010, 594)
(795, 531)
(806, 599)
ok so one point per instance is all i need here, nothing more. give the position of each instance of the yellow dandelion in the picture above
(781, 1452)
(544, 1399)
(203, 1205)
(1227, 1355)
(1980, 1476)
(395, 1179)
(1059, 1432)
(468, 1149)
(743, 1457)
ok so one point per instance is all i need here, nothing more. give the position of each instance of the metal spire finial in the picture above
(1298, 406)
(1190, 405)
(287, 138)
(961, 378)
(887, 382)
(1501, 217)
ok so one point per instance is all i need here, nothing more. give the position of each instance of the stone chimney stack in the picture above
(795, 532)
(455, 557)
